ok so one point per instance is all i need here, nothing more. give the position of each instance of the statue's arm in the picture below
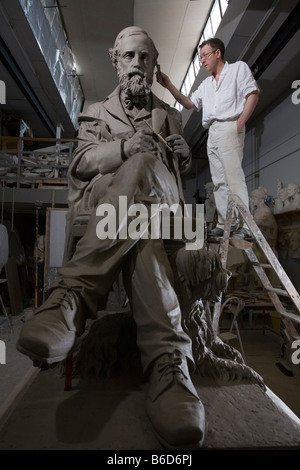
(98, 151)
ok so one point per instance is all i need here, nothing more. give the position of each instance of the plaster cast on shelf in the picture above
(263, 215)
(288, 198)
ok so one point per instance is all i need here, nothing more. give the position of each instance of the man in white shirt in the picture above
(227, 98)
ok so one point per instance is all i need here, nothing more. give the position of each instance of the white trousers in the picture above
(225, 150)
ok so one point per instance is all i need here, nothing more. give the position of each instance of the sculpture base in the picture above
(109, 414)
(244, 417)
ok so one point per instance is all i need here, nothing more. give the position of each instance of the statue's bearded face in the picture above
(135, 85)
(136, 65)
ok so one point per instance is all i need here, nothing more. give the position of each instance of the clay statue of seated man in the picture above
(118, 154)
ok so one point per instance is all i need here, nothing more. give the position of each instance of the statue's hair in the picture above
(130, 31)
(259, 192)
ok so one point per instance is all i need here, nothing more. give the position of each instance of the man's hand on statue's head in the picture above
(178, 145)
(163, 79)
(141, 141)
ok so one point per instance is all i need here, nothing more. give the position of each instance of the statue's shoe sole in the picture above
(188, 446)
(40, 360)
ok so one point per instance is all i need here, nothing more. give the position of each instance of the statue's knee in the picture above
(141, 160)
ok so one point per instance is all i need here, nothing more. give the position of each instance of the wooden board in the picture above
(14, 287)
(54, 243)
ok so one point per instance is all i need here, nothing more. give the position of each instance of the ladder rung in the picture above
(234, 202)
(266, 266)
(278, 291)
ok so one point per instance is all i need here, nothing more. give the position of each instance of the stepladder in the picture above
(289, 308)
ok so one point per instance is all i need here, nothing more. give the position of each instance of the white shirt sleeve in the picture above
(196, 98)
(246, 80)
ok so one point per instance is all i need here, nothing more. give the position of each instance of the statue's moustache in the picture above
(135, 72)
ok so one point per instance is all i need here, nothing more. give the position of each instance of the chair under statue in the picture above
(234, 306)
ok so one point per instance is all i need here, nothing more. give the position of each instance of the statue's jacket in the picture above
(98, 155)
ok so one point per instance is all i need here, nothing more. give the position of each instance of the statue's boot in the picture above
(50, 334)
(173, 405)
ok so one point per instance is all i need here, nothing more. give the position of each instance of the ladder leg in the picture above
(223, 251)
(240, 339)
(5, 312)
(268, 252)
(288, 290)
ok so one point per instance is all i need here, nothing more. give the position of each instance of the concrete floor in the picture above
(108, 414)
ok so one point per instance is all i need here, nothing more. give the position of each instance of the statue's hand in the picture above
(178, 145)
(141, 141)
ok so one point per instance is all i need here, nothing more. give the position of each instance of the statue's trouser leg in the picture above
(156, 311)
(225, 150)
(97, 263)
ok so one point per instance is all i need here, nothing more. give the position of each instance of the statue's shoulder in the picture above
(93, 111)
(162, 104)
(98, 110)
(173, 112)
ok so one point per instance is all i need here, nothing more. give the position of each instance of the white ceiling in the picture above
(92, 26)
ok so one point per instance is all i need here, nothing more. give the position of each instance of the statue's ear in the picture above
(113, 57)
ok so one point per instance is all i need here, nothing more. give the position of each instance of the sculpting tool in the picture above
(158, 70)
(163, 141)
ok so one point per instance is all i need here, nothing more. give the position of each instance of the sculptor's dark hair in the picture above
(215, 44)
(130, 31)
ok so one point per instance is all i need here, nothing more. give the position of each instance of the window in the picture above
(215, 17)
(208, 32)
(197, 64)
(224, 5)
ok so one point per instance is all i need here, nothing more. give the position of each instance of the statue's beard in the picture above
(135, 84)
